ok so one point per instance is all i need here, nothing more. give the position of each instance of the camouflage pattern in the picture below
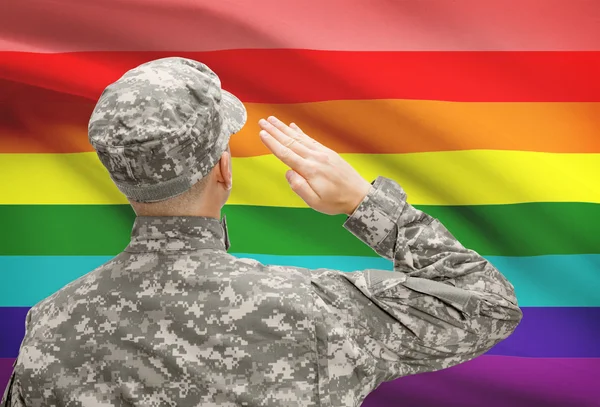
(175, 320)
(163, 126)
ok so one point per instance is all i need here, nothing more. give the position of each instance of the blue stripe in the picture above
(540, 281)
(544, 332)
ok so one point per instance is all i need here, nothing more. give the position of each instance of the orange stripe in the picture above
(40, 121)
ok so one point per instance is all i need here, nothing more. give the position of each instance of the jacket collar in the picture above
(178, 233)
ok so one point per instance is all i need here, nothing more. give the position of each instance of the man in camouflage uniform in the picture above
(174, 320)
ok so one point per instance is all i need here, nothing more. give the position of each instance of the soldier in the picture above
(174, 320)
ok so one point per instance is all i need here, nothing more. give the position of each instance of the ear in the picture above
(224, 175)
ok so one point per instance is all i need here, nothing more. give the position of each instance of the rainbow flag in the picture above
(486, 111)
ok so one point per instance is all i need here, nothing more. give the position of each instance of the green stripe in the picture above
(498, 230)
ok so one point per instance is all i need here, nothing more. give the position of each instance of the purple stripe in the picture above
(490, 381)
(497, 381)
(554, 332)
(6, 366)
(544, 332)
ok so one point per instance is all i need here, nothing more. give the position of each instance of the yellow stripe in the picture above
(439, 178)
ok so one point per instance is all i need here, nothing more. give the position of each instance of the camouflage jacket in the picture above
(174, 320)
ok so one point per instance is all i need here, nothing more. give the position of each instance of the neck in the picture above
(200, 210)
(215, 213)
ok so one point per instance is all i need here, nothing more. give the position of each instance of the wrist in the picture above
(359, 196)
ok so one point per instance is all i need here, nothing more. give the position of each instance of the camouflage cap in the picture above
(163, 126)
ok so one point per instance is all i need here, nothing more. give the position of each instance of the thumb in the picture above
(301, 187)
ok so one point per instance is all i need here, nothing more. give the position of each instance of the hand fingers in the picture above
(301, 187)
(295, 127)
(285, 154)
(309, 141)
(302, 137)
(293, 142)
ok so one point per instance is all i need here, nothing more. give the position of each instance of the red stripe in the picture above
(288, 76)
(395, 25)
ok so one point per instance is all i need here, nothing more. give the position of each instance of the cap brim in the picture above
(234, 112)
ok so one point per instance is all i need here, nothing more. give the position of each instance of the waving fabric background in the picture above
(485, 111)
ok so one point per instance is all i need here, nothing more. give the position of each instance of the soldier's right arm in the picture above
(443, 304)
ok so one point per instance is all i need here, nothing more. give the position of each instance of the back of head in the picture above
(162, 127)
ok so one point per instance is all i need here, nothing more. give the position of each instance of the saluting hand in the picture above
(323, 179)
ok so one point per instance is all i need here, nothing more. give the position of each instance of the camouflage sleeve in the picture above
(443, 304)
